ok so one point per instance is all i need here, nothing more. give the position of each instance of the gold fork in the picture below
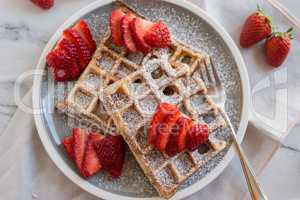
(217, 92)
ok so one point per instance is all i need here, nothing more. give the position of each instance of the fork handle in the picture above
(255, 189)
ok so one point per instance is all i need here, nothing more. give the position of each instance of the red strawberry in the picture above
(111, 153)
(165, 129)
(61, 65)
(71, 49)
(161, 110)
(83, 50)
(158, 36)
(91, 163)
(83, 29)
(256, 28)
(277, 47)
(197, 135)
(127, 36)
(68, 145)
(44, 4)
(139, 27)
(80, 137)
(115, 26)
(177, 141)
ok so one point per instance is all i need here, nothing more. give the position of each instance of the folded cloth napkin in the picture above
(26, 171)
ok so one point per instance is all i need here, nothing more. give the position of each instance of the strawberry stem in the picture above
(289, 33)
(269, 18)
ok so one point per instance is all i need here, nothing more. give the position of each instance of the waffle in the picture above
(109, 64)
(173, 75)
(124, 96)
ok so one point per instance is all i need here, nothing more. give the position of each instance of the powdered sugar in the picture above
(194, 31)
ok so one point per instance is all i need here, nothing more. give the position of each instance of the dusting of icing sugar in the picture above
(148, 104)
(188, 28)
(183, 164)
(165, 177)
(105, 62)
(82, 99)
(132, 118)
(120, 99)
(93, 81)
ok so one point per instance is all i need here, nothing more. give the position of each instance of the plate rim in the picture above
(197, 186)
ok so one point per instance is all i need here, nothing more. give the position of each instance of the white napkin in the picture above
(26, 172)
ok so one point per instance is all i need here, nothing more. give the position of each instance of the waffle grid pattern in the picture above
(109, 64)
(173, 75)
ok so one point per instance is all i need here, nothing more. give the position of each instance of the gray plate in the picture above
(185, 26)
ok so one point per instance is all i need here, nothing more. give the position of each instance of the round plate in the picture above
(187, 23)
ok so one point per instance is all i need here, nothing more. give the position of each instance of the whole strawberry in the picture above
(44, 4)
(277, 47)
(257, 27)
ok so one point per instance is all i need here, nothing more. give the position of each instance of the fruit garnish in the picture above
(257, 27)
(164, 129)
(197, 135)
(80, 137)
(62, 65)
(161, 110)
(80, 148)
(82, 28)
(83, 50)
(44, 4)
(68, 145)
(137, 34)
(139, 27)
(111, 153)
(177, 140)
(126, 33)
(91, 163)
(115, 26)
(277, 47)
(158, 36)
(72, 53)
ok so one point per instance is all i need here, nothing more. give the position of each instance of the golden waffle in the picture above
(171, 75)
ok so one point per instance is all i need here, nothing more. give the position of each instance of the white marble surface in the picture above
(24, 31)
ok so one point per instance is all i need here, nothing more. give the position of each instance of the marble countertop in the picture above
(25, 30)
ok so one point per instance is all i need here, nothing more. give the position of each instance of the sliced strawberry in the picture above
(68, 46)
(83, 29)
(161, 110)
(80, 137)
(139, 27)
(197, 135)
(115, 26)
(83, 50)
(165, 129)
(111, 153)
(71, 51)
(91, 163)
(60, 63)
(44, 4)
(126, 33)
(184, 124)
(158, 36)
(68, 145)
(177, 140)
